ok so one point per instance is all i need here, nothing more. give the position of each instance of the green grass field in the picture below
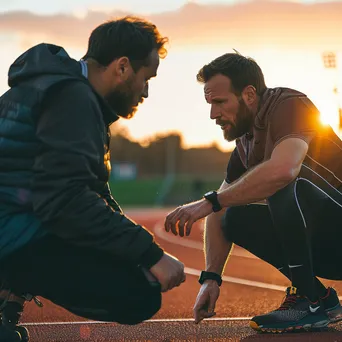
(144, 192)
(140, 192)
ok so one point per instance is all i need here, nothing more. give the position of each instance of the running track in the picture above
(250, 287)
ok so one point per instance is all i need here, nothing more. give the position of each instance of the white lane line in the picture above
(192, 320)
(240, 281)
(186, 242)
(161, 320)
(159, 231)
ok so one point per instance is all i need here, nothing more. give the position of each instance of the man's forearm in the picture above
(258, 184)
(216, 247)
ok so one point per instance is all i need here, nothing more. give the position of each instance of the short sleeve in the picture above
(235, 168)
(293, 118)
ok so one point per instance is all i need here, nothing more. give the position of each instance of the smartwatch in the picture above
(211, 196)
(210, 275)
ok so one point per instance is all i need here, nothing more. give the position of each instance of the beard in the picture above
(121, 100)
(244, 121)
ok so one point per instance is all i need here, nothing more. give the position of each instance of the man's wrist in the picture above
(151, 256)
(212, 198)
(210, 281)
(205, 275)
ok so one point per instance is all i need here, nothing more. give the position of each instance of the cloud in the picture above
(259, 23)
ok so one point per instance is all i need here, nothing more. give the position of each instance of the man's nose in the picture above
(214, 112)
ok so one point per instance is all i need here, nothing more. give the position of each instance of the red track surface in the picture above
(236, 300)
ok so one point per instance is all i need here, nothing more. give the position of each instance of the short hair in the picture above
(129, 36)
(241, 70)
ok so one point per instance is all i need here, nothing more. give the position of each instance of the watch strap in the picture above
(212, 198)
(210, 276)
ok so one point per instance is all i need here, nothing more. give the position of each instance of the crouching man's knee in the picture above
(230, 221)
(139, 310)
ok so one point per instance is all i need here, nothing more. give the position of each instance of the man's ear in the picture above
(121, 68)
(249, 95)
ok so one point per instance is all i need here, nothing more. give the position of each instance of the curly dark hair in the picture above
(241, 70)
(130, 36)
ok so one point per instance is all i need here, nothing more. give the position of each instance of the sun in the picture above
(329, 115)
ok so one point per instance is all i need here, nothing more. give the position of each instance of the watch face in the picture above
(209, 193)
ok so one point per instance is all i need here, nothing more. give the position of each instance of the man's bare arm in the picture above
(269, 177)
(216, 247)
(260, 183)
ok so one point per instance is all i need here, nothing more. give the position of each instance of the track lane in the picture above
(236, 300)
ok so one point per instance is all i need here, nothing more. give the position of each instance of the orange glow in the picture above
(258, 29)
(329, 115)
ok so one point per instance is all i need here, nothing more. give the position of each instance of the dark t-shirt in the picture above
(286, 113)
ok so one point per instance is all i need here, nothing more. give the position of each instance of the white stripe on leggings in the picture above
(300, 210)
(304, 179)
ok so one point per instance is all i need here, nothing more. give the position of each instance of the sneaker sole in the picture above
(335, 314)
(277, 330)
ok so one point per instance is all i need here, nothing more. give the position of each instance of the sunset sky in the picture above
(286, 38)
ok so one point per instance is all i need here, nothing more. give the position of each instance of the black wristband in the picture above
(211, 196)
(210, 276)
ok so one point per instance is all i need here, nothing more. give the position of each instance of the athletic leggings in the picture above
(300, 226)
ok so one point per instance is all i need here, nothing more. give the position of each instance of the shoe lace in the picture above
(29, 297)
(288, 302)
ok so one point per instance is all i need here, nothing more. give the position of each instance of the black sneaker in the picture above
(296, 313)
(332, 305)
(11, 309)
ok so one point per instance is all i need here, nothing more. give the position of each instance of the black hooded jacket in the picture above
(62, 163)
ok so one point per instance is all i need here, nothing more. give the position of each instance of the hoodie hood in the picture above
(43, 61)
(45, 65)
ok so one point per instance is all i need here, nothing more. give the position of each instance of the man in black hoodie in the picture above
(63, 236)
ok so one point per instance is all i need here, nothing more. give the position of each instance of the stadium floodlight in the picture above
(329, 59)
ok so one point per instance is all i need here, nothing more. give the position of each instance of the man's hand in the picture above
(186, 216)
(206, 300)
(169, 271)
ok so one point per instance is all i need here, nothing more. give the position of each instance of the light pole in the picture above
(329, 59)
